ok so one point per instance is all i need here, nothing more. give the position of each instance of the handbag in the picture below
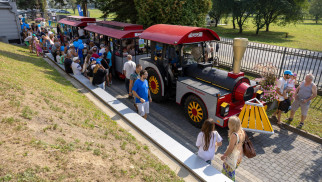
(248, 148)
(232, 159)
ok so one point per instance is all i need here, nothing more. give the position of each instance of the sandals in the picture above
(300, 125)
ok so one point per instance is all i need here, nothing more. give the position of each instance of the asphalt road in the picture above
(283, 156)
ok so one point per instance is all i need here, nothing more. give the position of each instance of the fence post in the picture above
(282, 63)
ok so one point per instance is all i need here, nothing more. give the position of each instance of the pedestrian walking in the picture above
(128, 69)
(281, 90)
(304, 93)
(142, 93)
(208, 140)
(134, 76)
(234, 151)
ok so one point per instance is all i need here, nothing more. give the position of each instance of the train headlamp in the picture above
(224, 109)
(259, 94)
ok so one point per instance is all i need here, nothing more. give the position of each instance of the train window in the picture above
(192, 53)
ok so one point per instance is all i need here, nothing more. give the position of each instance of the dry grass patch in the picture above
(51, 132)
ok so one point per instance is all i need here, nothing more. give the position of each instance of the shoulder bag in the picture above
(248, 148)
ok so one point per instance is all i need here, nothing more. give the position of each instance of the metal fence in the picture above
(260, 58)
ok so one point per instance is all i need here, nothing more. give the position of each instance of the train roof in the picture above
(120, 25)
(77, 21)
(115, 33)
(177, 34)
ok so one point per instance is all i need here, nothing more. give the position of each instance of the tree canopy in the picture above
(124, 10)
(316, 9)
(178, 12)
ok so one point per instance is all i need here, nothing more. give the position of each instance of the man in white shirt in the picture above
(76, 67)
(102, 50)
(81, 33)
(128, 68)
(281, 86)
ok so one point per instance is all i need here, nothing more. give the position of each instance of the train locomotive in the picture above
(203, 90)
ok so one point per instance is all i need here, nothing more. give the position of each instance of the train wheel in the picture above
(195, 111)
(155, 85)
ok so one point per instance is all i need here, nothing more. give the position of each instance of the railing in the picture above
(260, 58)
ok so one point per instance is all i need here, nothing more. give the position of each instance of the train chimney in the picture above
(239, 47)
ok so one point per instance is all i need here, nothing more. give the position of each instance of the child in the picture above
(58, 56)
(207, 140)
(291, 82)
(38, 48)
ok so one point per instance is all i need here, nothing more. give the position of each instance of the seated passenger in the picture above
(125, 53)
(132, 51)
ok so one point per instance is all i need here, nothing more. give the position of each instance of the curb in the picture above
(300, 132)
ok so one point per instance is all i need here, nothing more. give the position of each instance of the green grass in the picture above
(94, 13)
(49, 101)
(313, 122)
(303, 35)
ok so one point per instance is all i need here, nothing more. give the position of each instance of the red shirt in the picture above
(95, 55)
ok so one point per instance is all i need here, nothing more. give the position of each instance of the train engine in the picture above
(203, 90)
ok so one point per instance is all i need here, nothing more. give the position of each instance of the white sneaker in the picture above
(111, 83)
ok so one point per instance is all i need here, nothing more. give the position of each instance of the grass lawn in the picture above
(94, 13)
(49, 131)
(304, 35)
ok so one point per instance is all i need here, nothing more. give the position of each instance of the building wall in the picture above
(9, 22)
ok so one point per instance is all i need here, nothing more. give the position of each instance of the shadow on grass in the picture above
(312, 23)
(50, 72)
(263, 36)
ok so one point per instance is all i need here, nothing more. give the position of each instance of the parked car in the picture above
(63, 11)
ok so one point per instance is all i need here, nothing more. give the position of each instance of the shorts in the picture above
(110, 69)
(143, 108)
(304, 107)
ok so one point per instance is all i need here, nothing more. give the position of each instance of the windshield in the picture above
(198, 52)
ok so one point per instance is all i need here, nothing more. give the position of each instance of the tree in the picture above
(33, 5)
(72, 4)
(316, 9)
(241, 12)
(178, 12)
(219, 9)
(124, 10)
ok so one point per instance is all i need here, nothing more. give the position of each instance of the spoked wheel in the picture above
(155, 85)
(195, 111)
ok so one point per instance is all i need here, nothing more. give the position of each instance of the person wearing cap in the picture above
(68, 63)
(76, 67)
(102, 50)
(281, 90)
(128, 68)
(304, 93)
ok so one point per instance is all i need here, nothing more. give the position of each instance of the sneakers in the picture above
(110, 82)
